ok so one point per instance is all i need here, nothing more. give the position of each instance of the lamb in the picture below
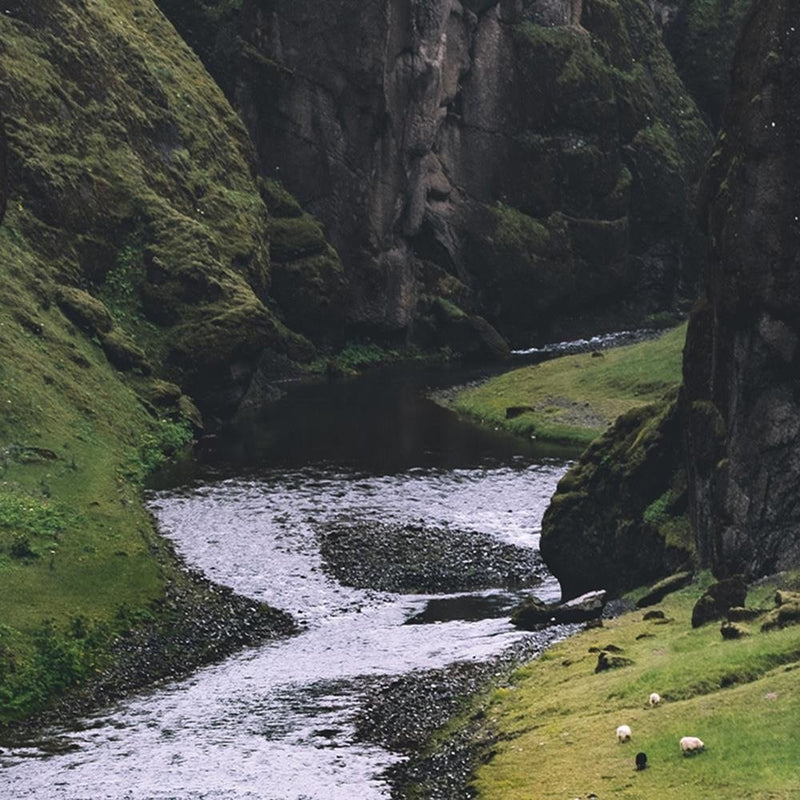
(655, 699)
(624, 733)
(691, 744)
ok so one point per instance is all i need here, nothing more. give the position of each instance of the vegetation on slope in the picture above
(574, 398)
(554, 727)
(134, 253)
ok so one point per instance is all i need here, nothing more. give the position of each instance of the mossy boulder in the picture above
(85, 311)
(718, 599)
(618, 517)
(440, 324)
(123, 352)
(308, 280)
(658, 591)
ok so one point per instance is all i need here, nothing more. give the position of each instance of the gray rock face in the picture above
(493, 153)
(742, 362)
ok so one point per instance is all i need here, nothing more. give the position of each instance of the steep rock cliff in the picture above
(526, 161)
(132, 185)
(3, 171)
(742, 362)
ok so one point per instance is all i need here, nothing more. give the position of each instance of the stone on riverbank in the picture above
(532, 612)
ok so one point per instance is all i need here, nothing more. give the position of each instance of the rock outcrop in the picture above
(3, 171)
(618, 518)
(742, 360)
(525, 161)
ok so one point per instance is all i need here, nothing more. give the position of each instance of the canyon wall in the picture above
(524, 161)
(134, 204)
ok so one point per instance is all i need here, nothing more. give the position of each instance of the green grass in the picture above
(76, 544)
(574, 398)
(555, 726)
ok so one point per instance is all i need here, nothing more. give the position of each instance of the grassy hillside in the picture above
(135, 265)
(574, 398)
(554, 727)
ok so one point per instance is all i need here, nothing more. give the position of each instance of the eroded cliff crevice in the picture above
(742, 365)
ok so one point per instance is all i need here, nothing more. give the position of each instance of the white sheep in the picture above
(691, 744)
(655, 699)
(624, 733)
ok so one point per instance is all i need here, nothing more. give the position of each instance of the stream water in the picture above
(276, 722)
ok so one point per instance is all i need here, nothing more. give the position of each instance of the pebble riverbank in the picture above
(405, 714)
(425, 559)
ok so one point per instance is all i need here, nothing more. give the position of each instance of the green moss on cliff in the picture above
(702, 40)
(135, 240)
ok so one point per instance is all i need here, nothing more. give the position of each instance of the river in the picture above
(276, 722)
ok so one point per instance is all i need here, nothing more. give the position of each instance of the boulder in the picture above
(742, 614)
(730, 630)
(87, 312)
(123, 352)
(718, 599)
(787, 611)
(618, 517)
(533, 612)
(606, 662)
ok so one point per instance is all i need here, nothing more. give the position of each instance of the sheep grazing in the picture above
(691, 744)
(655, 699)
(641, 761)
(624, 733)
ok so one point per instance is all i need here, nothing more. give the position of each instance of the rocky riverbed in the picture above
(419, 559)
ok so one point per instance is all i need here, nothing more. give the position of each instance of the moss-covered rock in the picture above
(618, 518)
(132, 180)
(718, 599)
(86, 311)
(123, 352)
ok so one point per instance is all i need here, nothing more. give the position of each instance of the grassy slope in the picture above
(556, 724)
(86, 106)
(74, 505)
(574, 398)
